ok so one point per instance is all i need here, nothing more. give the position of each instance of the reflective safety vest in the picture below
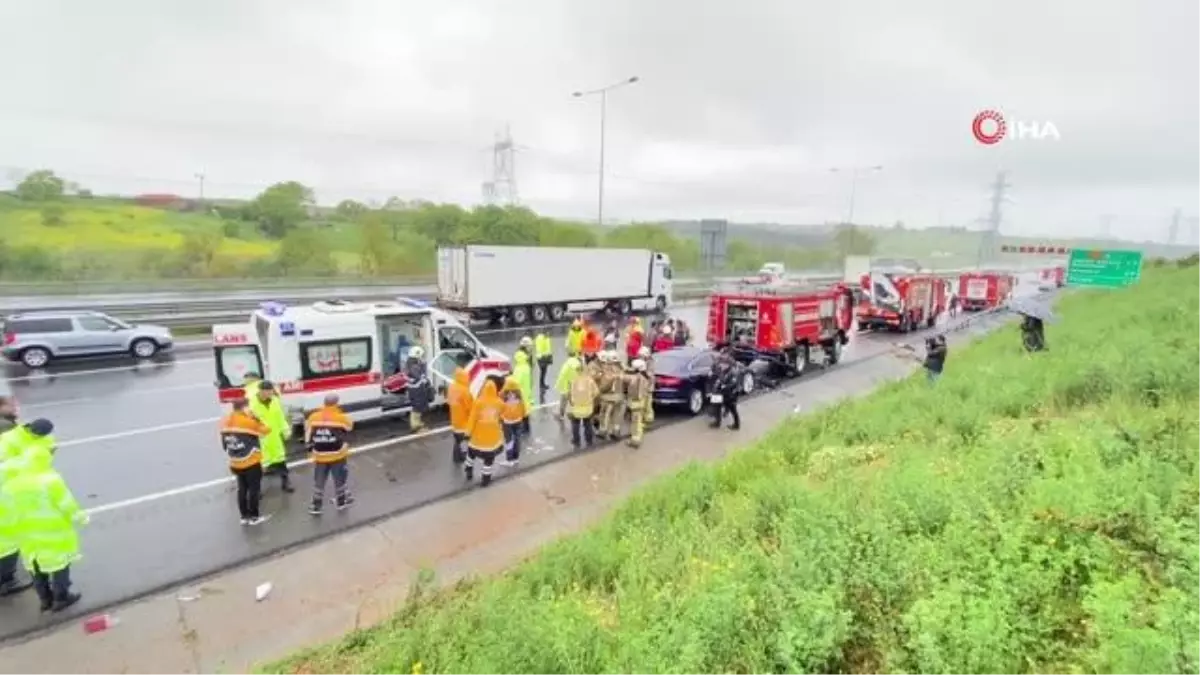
(48, 516)
(574, 341)
(18, 448)
(486, 427)
(542, 349)
(328, 431)
(278, 430)
(567, 374)
(241, 436)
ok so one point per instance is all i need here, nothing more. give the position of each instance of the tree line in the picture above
(301, 239)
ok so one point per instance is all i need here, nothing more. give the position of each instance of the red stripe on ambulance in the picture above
(316, 385)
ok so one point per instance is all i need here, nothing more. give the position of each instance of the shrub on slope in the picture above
(1031, 513)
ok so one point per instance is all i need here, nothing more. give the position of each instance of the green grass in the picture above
(1031, 513)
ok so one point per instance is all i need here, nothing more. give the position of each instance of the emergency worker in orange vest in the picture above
(460, 401)
(515, 412)
(241, 436)
(326, 435)
(485, 433)
(592, 344)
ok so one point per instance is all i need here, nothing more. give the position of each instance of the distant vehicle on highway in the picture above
(37, 338)
(681, 378)
(520, 285)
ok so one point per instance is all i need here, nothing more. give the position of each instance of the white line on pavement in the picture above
(107, 400)
(96, 371)
(134, 501)
(138, 432)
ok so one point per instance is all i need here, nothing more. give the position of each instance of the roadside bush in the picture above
(1031, 513)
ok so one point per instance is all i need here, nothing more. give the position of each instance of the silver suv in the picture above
(36, 338)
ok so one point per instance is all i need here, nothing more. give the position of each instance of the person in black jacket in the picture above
(935, 357)
(724, 390)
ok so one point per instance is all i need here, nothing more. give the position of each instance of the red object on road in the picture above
(99, 623)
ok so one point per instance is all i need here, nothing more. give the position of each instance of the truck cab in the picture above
(356, 350)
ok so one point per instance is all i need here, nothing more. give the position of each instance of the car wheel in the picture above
(35, 357)
(748, 384)
(696, 402)
(143, 349)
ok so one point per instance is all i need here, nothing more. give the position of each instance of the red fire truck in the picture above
(978, 291)
(1054, 276)
(902, 301)
(786, 322)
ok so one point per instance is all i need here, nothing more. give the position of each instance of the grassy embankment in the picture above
(1028, 514)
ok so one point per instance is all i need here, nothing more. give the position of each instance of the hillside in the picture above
(1030, 513)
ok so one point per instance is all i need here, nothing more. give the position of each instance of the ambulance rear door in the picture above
(237, 355)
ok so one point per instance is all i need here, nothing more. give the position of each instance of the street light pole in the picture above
(602, 92)
(200, 176)
(855, 172)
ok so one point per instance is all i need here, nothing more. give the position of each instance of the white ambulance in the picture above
(351, 349)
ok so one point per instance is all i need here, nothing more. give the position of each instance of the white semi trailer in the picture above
(533, 284)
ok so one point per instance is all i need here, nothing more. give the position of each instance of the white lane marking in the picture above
(96, 371)
(108, 399)
(138, 432)
(134, 501)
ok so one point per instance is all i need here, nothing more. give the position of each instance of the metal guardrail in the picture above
(199, 314)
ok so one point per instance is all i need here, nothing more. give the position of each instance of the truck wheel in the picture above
(801, 359)
(624, 308)
(558, 313)
(519, 316)
(833, 352)
(660, 305)
(540, 314)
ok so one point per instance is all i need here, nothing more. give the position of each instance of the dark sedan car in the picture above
(681, 378)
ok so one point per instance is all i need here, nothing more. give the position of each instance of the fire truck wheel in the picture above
(519, 316)
(862, 326)
(540, 314)
(834, 353)
(696, 402)
(800, 359)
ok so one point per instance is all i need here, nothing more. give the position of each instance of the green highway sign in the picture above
(1107, 269)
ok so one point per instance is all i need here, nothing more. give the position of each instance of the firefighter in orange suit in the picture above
(241, 436)
(485, 433)
(327, 436)
(459, 400)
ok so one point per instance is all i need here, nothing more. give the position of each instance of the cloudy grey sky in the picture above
(741, 110)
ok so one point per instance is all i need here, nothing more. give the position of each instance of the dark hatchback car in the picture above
(681, 378)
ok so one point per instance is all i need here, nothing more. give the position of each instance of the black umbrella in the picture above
(1033, 308)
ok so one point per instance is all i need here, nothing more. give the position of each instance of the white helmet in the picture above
(644, 352)
(526, 341)
(416, 353)
(638, 365)
(667, 329)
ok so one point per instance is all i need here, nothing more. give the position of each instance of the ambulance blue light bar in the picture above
(272, 308)
(413, 302)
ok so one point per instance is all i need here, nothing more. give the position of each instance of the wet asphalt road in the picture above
(138, 447)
